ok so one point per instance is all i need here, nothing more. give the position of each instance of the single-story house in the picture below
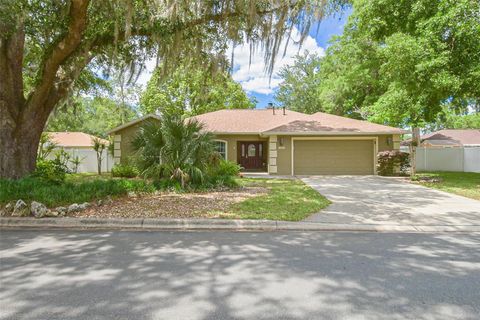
(284, 142)
(80, 144)
(449, 138)
(448, 150)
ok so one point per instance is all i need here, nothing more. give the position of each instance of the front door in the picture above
(250, 155)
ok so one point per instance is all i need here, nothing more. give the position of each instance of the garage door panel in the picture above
(333, 157)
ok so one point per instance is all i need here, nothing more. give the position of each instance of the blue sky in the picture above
(253, 79)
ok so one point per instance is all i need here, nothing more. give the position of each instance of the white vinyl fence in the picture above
(463, 159)
(88, 159)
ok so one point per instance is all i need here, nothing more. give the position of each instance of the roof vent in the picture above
(271, 106)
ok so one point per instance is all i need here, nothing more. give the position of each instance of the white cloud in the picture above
(253, 77)
(146, 74)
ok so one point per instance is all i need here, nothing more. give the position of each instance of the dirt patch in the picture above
(172, 205)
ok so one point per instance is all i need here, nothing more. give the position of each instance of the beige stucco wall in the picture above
(125, 137)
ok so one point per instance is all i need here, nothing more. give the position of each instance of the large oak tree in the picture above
(46, 46)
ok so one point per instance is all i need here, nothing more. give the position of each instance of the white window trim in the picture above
(226, 146)
(375, 148)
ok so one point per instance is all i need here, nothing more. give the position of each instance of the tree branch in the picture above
(62, 51)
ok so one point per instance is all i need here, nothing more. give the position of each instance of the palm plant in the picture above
(98, 145)
(46, 146)
(174, 149)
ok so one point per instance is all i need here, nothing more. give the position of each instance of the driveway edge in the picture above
(217, 224)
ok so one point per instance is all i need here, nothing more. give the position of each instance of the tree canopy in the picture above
(192, 92)
(48, 47)
(402, 63)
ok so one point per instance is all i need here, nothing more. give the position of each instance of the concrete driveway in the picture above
(381, 200)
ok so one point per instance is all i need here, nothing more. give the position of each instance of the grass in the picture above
(77, 188)
(289, 200)
(466, 184)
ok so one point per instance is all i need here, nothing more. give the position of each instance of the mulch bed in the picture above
(172, 205)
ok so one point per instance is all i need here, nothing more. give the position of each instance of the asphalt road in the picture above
(225, 275)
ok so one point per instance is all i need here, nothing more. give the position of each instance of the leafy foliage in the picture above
(124, 171)
(99, 146)
(388, 161)
(174, 150)
(68, 192)
(51, 171)
(192, 92)
(45, 146)
(94, 115)
(299, 90)
(223, 173)
(397, 62)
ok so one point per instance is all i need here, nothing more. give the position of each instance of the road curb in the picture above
(218, 224)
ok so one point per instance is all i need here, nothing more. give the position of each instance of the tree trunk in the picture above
(413, 151)
(19, 140)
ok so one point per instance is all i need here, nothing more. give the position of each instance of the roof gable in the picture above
(454, 137)
(133, 122)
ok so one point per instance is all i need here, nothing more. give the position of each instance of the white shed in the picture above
(81, 144)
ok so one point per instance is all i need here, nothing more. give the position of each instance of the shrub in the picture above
(31, 188)
(52, 171)
(223, 173)
(174, 150)
(389, 160)
(124, 170)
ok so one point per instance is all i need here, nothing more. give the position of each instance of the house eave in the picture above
(329, 133)
(131, 123)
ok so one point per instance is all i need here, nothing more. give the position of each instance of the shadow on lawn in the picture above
(217, 275)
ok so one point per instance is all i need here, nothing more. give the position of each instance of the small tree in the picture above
(76, 161)
(413, 151)
(45, 146)
(99, 146)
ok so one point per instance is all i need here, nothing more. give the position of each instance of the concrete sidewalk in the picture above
(219, 224)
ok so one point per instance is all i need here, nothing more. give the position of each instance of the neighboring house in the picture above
(449, 150)
(285, 142)
(80, 144)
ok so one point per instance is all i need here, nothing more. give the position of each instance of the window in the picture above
(221, 148)
(251, 150)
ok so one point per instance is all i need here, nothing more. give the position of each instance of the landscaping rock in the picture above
(132, 194)
(100, 203)
(61, 210)
(52, 214)
(9, 207)
(20, 209)
(83, 206)
(38, 210)
(74, 207)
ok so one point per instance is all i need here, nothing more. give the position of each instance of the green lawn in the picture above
(289, 200)
(466, 184)
(77, 188)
